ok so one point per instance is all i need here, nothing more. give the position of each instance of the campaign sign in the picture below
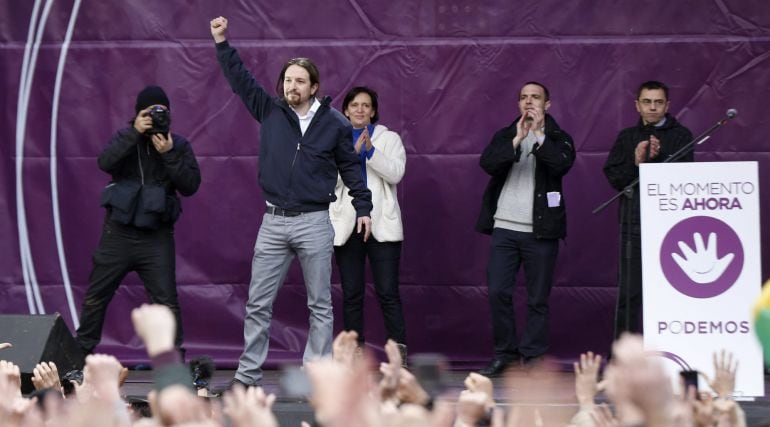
(701, 266)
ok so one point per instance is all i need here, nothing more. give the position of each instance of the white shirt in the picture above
(304, 121)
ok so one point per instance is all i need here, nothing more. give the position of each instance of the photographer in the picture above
(148, 165)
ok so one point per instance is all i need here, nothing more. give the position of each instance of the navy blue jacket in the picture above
(297, 172)
(553, 160)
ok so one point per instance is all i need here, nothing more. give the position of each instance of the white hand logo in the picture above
(702, 266)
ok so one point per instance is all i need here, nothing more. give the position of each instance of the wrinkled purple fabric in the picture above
(448, 73)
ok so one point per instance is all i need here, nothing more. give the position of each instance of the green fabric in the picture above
(762, 327)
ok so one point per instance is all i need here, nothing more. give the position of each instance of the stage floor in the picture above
(552, 393)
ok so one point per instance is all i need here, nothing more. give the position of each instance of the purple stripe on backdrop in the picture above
(448, 73)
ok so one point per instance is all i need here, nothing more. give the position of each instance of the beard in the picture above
(295, 99)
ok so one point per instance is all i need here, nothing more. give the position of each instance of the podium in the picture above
(701, 266)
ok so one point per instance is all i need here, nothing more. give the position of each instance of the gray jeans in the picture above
(310, 236)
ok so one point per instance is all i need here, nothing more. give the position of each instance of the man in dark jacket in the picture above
(523, 210)
(148, 165)
(655, 137)
(303, 145)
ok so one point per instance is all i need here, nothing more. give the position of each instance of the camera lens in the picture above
(161, 119)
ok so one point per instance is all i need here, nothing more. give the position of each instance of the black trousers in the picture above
(511, 249)
(122, 249)
(629, 305)
(384, 258)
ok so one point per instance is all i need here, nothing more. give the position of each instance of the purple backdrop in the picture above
(448, 73)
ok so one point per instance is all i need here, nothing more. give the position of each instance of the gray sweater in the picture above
(514, 206)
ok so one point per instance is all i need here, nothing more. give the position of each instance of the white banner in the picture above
(701, 266)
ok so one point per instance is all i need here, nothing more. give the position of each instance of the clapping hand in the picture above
(364, 141)
(640, 153)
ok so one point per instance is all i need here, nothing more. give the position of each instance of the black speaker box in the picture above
(35, 339)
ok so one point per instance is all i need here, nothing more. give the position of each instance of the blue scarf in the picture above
(363, 155)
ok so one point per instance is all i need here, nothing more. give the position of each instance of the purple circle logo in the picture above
(701, 257)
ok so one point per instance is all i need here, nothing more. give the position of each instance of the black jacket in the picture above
(553, 160)
(620, 168)
(297, 172)
(144, 182)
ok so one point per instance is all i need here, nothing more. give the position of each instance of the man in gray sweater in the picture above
(523, 210)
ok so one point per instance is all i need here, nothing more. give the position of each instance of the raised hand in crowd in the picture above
(475, 382)
(721, 410)
(701, 407)
(638, 385)
(10, 381)
(473, 408)
(725, 367)
(602, 417)
(13, 407)
(410, 415)
(45, 375)
(101, 378)
(177, 405)
(728, 413)
(341, 395)
(391, 371)
(410, 391)
(250, 407)
(586, 388)
(174, 402)
(344, 347)
(155, 324)
(587, 379)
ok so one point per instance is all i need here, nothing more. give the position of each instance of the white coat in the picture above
(383, 172)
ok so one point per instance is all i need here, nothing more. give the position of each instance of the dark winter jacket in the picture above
(620, 167)
(297, 172)
(553, 159)
(144, 183)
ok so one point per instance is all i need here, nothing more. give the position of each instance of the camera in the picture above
(202, 368)
(75, 375)
(689, 380)
(161, 120)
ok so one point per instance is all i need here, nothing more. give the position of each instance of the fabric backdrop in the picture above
(448, 73)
